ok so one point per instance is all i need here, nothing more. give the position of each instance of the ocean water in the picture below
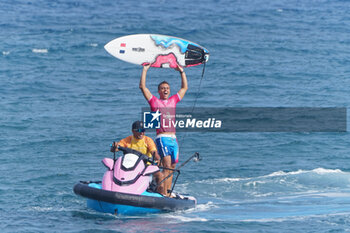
(64, 99)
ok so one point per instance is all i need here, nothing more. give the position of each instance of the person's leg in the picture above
(166, 173)
(174, 151)
(165, 163)
(159, 177)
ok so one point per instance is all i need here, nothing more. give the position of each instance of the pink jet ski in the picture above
(126, 187)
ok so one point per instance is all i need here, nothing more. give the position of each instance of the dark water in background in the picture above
(63, 100)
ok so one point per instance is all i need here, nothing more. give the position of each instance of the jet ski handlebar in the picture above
(144, 157)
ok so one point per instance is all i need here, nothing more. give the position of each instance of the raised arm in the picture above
(146, 93)
(184, 85)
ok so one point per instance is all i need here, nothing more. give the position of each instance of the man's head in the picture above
(164, 90)
(138, 130)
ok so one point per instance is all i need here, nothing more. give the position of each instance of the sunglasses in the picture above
(139, 130)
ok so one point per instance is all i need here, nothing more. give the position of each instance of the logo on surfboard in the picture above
(139, 49)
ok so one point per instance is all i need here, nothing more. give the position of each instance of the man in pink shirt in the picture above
(166, 141)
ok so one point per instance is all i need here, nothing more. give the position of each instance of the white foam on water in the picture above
(181, 218)
(314, 182)
(93, 44)
(200, 208)
(40, 50)
(327, 171)
(255, 183)
(213, 194)
(263, 194)
(266, 220)
(187, 215)
(47, 209)
(295, 218)
(320, 171)
(336, 195)
(5, 53)
(221, 180)
(205, 207)
(42, 209)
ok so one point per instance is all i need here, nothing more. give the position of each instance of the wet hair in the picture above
(164, 82)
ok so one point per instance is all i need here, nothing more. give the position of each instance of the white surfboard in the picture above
(158, 50)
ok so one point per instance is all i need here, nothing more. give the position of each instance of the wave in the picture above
(279, 183)
(182, 218)
(40, 50)
(205, 207)
(319, 171)
(297, 218)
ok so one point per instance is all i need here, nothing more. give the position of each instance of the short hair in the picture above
(164, 82)
(137, 125)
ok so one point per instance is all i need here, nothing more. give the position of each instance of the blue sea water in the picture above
(64, 99)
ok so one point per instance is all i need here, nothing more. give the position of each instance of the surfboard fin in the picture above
(195, 55)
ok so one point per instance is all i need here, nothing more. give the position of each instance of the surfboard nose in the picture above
(111, 48)
(108, 47)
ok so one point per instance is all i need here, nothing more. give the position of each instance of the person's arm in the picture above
(122, 143)
(114, 147)
(156, 156)
(146, 93)
(184, 85)
(151, 146)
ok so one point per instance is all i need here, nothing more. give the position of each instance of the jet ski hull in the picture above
(130, 204)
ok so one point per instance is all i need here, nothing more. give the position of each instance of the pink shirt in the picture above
(168, 110)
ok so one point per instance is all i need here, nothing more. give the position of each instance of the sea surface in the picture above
(64, 100)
